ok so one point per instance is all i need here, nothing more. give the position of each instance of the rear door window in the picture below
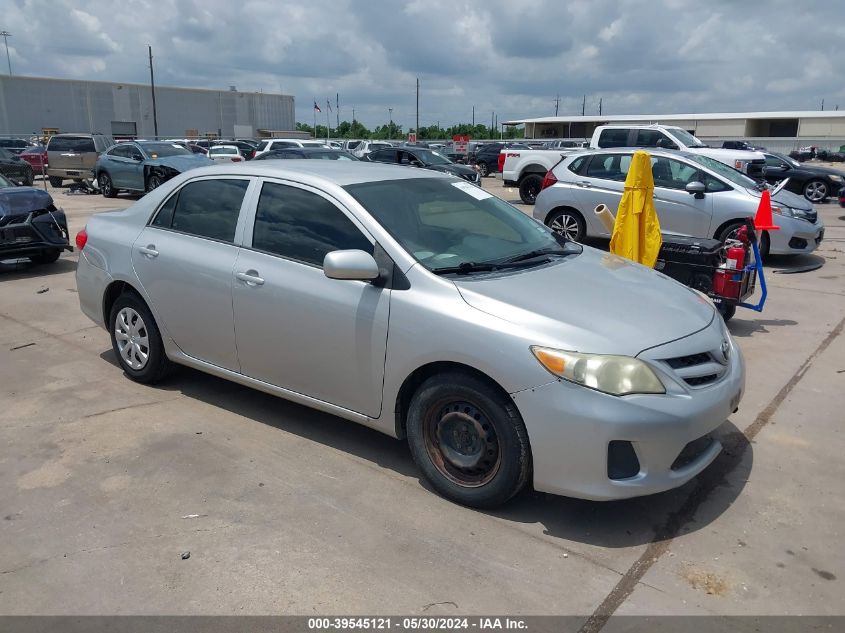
(609, 167)
(384, 156)
(613, 138)
(76, 144)
(205, 208)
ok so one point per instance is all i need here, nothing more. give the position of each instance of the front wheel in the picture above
(815, 191)
(727, 310)
(153, 182)
(469, 440)
(567, 223)
(106, 185)
(529, 187)
(483, 169)
(136, 340)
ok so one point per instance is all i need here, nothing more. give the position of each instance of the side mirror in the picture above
(350, 264)
(696, 188)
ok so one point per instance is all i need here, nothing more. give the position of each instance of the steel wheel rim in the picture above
(816, 191)
(461, 442)
(105, 184)
(153, 183)
(565, 225)
(132, 337)
(531, 191)
(482, 169)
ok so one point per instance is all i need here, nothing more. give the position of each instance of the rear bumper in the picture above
(84, 173)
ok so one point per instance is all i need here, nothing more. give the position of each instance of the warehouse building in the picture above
(778, 131)
(33, 105)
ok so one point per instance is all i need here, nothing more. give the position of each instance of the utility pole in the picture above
(337, 109)
(473, 116)
(353, 115)
(493, 125)
(599, 106)
(6, 35)
(417, 129)
(584, 106)
(390, 112)
(822, 101)
(153, 87)
(557, 104)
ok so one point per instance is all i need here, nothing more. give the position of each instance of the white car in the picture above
(285, 143)
(225, 153)
(365, 147)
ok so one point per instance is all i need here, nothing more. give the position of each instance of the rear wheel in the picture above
(47, 257)
(727, 310)
(106, 185)
(55, 181)
(136, 340)
(28, 178)
(568, 223)
(483, 169)
(529, 187)
(469, 440)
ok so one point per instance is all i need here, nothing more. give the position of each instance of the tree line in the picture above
(391, 130)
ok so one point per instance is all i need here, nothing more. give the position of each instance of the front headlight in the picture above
(617, 375)
(785, 211)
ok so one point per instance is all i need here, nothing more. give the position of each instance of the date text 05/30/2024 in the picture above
(415, 623)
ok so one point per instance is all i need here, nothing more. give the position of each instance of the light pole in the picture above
(6, 35)
(390, 114)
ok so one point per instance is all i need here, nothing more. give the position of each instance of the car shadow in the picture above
(11, 270)
(742, 328)
(614, 524)
(781, 264)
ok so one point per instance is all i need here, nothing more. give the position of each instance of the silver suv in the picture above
(419, 305)
(694, 195)
(74, 155)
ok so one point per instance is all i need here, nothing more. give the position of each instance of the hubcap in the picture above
(565, 225)
(816, 191)
(105, 184)
(133, 343)
(462, 444)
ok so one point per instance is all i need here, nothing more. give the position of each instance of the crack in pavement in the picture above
(735, 446)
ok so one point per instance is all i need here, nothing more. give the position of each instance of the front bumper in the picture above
(33, 233)
(571, 427)
(795, 236)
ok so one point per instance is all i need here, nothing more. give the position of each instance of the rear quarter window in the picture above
(613, 138)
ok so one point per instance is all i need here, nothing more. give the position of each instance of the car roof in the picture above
(310, 149)
(341, 173)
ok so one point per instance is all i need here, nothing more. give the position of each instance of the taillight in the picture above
(501, 161)
(236, 159)
(81, 239)
(252, 154)
(548, 180)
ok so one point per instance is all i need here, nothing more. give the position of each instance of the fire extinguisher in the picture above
(727, 280)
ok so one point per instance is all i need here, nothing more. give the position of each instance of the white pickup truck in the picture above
(666, 137)
(526, 168)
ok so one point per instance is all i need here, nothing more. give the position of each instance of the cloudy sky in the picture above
(508, 56)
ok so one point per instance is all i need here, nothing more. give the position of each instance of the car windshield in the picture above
(5, 182)
(162, 150)
(430, 157)
(449, 225)
(788, 160)
(725, 171)
(686, 138)
(332, 155)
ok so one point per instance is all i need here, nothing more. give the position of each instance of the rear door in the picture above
(185, 260)
(384, 156)
(602, 181)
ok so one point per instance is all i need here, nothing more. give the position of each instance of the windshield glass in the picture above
(726, 172)
(161, 150)
(686, 138)
(5, 182)
(429, 157)
(788, 160)
(445, 223)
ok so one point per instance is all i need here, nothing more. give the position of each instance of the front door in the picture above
(295, 327)
(679, 211)
(185, 260)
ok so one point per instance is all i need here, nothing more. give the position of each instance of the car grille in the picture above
(698, 370)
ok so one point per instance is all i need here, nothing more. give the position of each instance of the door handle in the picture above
(250, 278)
(584, 183)
(148, 250)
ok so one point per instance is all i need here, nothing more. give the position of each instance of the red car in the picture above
(37, 157)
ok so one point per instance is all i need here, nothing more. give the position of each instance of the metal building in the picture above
(775, 130)
(29, 105)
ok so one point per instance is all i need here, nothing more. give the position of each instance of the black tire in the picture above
(816, 191)
(486, 427)
(568, 223)
(55, 181)
(529, 187)
(104, 182)
(765, 241)
(157, 365)
(153, 182)
(727, 310)
(28, 178)
(47, 257)
(483, 169)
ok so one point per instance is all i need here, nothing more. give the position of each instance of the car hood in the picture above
(181, 163)
(458, 170)
(594, 303)
(786, 198)
(819, 170)
(17, 200)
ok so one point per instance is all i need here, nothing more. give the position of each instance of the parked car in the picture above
(669, 137)
(525, 169)
(197, 149)
(282, 143)
(486, 158)
(814, 182)
(564, 144)
(743, 145)
(323, 153)
(246, 149)
(225, 153)
(15, 168)
(36, 156)
(694, 195)
(14, 145)
(474, 365)
(842, 197)
(141, 166)
(426, 158)
(74, 156)
(30, 224)
(365, 147)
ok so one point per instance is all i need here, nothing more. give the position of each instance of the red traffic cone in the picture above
(763, 219)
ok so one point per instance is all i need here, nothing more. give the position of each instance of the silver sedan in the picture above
(422, 306)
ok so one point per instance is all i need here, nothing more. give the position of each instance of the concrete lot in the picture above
(304, 513)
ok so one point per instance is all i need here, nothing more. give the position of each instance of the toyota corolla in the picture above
(419, 305)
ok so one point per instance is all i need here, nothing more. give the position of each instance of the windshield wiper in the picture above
(540, 252)
(465, 268)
